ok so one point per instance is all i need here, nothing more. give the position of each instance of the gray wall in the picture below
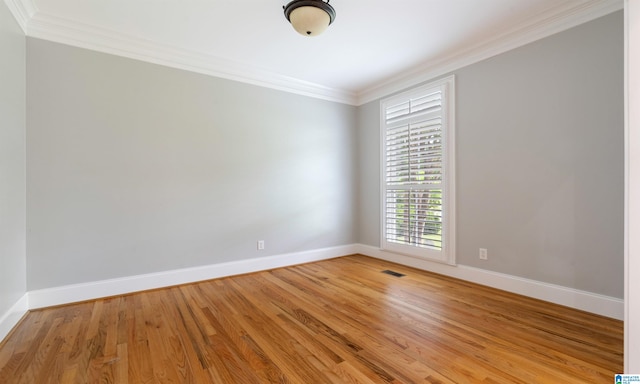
(539, 160)
(368, 166)
(12, 161)
(134, 168)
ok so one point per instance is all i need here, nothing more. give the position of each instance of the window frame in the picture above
(447, 252)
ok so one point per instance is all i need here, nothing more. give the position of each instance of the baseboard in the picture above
(89, 291)
(10, 318)
(582, 300)
(574, 298)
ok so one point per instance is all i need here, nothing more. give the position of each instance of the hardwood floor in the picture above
(335, 321)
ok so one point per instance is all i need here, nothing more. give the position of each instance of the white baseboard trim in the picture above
(582, 300)
(574, 298)
(113, 287)
(10, 318)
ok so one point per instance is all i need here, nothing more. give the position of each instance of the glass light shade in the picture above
(309, 21)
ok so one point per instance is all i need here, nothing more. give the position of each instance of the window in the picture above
(418, 199)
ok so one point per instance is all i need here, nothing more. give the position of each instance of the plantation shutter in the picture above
(413, 187)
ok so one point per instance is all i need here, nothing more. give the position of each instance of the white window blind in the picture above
(416, 180)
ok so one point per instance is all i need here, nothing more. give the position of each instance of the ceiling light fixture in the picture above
(309, 17)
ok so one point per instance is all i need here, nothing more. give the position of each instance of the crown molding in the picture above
(47, 27)
(544, 25)
(69, 32)
(22, 10)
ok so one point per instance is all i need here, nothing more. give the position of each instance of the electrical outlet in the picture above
(483, 254)
(260, 245)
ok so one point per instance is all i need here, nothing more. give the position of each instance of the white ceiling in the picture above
(374, 47)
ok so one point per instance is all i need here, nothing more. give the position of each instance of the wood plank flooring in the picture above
(335, 321)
